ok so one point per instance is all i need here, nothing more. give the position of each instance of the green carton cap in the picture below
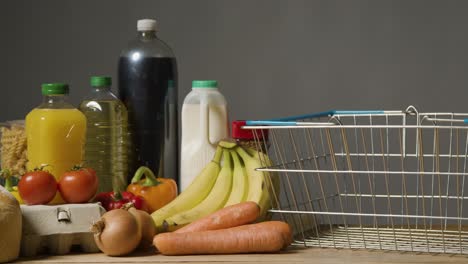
(204, 84)
(54, 88)
(101, 81)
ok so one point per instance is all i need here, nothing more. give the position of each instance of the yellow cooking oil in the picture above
(107, 140)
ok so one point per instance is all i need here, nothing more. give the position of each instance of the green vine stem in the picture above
(7, 175)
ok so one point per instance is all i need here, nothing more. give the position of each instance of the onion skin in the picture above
(147, 227)
(117, 233)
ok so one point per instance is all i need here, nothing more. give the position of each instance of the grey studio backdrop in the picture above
(271, 58)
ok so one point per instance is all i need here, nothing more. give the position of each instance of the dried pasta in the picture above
(13, 149)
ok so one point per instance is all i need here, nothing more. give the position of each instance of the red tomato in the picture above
(78, 185)
(37, 187)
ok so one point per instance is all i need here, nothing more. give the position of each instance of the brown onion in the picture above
(147, 227)
(117, 233)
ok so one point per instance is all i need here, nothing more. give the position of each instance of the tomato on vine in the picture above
(79, 185)
(37, 187)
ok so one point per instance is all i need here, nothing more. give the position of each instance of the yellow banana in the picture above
(213, 202)
(194, 194)
(240, 185)
(258, 184)
(273, 178)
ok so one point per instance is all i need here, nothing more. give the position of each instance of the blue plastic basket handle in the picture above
(292, 120)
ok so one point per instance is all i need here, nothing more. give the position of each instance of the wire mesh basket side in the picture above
(377, 182)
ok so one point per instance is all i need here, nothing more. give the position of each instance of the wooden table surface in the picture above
(292, 255)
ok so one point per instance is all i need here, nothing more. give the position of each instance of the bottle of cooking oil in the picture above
(107, 139)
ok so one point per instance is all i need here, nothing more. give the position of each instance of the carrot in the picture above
(230, 216)
(253, 238)
(283, 228)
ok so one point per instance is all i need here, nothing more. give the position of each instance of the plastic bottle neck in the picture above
(102, 89)
(102, 93)
(205, 90)
(56, 101)
(146, 35)
(52, 99)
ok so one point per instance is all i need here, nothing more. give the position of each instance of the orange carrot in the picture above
(231, 216)
(253, 238)
(283, 228)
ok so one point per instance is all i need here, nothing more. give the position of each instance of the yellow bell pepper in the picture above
(16, 194)
(9, 186)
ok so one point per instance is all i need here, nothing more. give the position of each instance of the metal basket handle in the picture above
(292, 120)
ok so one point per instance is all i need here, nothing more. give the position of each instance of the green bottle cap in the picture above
(204, 84)
(54, 88)
(101, 81)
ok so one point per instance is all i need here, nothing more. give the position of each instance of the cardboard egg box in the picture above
(55, 229)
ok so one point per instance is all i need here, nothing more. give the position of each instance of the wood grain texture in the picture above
(292, 255)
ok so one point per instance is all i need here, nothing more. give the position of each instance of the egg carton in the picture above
(56, 229)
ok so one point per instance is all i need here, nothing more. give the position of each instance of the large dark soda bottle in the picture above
(148, 87)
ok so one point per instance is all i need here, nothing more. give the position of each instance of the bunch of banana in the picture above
(217, 187)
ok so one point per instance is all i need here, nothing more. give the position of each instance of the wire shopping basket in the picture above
(389, 180)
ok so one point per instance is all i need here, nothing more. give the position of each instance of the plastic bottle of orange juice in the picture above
(55, 133)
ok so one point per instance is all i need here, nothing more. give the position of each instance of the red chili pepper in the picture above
(105, 199)
(138, 201)
(115, 200)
